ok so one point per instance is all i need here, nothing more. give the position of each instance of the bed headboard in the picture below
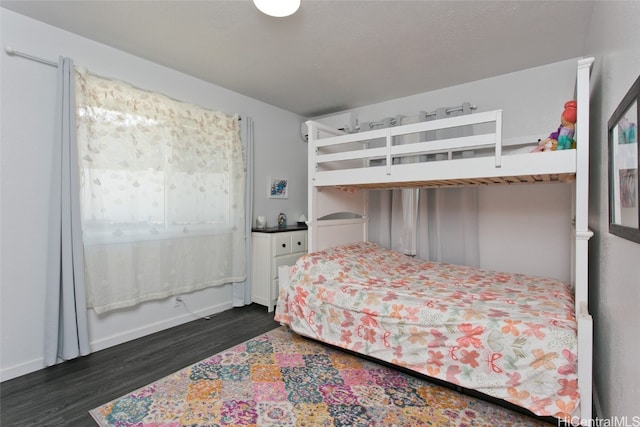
(332, 232)
(336, 217)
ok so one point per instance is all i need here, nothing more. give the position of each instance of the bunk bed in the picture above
(522, 339)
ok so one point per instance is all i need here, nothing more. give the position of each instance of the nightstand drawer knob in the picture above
(284, 245)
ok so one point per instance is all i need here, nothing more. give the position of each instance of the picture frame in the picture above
(624, 159)
(278, 188)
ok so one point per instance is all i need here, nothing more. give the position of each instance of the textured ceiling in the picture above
(331, 55)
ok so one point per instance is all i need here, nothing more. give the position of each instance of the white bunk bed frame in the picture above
(329, 147)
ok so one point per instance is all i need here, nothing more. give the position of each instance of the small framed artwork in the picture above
(624, 158)
(278, 188)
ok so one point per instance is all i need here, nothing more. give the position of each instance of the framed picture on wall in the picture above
(624, 158)
(278, 188)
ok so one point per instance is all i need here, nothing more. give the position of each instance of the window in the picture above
(162, 194)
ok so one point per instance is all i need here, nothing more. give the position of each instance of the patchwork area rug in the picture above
(282, 379)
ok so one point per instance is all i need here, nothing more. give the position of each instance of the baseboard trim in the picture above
(133, 334)
(22, 369)
(113, 340)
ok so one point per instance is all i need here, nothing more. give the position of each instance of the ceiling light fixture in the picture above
(277, 8)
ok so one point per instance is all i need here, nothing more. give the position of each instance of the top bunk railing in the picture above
(330, 147)
(392, 150)
(407, 154)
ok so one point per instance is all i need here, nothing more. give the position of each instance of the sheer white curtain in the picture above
(432, 224)
(162, 192)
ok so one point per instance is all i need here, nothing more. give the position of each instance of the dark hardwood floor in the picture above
(63, 394)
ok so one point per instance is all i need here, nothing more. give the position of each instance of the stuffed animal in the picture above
(561, 139)
(547, 144)
(564, 134)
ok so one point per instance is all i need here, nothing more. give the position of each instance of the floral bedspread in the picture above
(510, 336)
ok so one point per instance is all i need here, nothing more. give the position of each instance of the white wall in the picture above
(614, 263)
(523, 228)
(27, 121)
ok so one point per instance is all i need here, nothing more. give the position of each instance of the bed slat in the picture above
(507, 180)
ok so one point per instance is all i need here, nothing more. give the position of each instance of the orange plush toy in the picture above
(567, 128)
(562, 139)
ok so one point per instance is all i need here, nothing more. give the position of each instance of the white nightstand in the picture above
(273, 247)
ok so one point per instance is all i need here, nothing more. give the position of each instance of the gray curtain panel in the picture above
(451, 214)
(439, 224)
(66, 332)
(242, 290)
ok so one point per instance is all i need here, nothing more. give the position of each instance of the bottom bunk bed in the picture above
(508, 336)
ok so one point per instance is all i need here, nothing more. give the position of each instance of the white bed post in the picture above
(582, 181)
(312, 198)
(582, 235)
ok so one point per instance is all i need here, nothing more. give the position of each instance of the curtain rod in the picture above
(394, 120)
(451, 110)
(12, 51)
